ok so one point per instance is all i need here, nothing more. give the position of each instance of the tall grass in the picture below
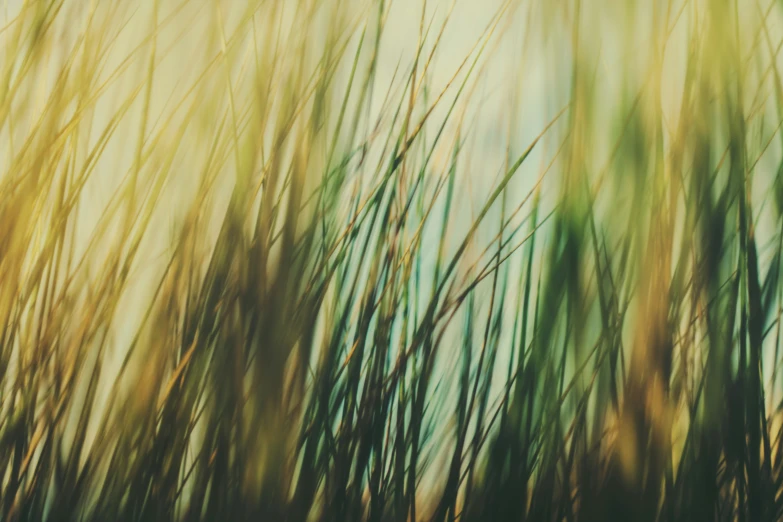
(251, 268)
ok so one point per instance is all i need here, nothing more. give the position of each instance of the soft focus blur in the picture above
(391, 260)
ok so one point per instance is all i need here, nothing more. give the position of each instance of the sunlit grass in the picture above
(320, 260)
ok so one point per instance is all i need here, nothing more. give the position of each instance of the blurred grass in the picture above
(251, 267)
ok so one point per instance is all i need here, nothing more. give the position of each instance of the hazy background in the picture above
(522, 80)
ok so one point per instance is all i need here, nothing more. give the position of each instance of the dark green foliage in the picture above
(350, 332)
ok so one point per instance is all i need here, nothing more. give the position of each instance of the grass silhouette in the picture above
(307, 295)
